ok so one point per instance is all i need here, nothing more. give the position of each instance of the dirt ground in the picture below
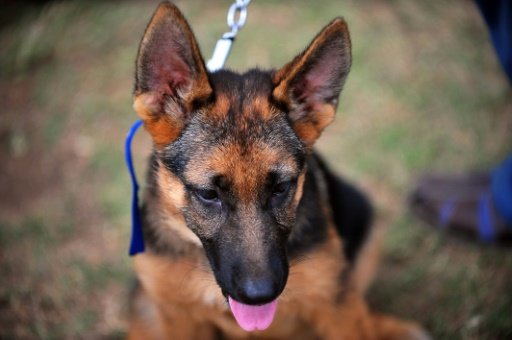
(426, 93)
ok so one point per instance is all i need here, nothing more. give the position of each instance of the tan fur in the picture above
(310, 130)
(260, 105)
(163, 128)
(368, 260)
(300, 189)
(220, 109)
(171, 190)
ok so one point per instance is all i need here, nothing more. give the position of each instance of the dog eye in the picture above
(207, 195)
(281, 189)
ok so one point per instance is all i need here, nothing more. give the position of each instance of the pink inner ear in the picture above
(319, 75)
(169, 72)
(309, 88)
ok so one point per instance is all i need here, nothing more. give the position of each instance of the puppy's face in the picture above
(231, 150)
(241, 168)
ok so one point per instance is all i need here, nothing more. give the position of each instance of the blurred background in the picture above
(426, 93)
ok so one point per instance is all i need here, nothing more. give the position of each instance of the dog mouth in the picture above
(253, 317)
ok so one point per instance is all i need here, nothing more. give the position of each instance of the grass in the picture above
(425, 94)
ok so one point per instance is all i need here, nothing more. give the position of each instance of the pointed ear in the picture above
(310, 84)
(171, 78)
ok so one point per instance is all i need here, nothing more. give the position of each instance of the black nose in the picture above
(258, 291)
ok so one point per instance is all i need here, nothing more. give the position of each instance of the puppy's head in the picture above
(231, 150)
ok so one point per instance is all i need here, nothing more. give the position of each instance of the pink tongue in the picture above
(252, 318)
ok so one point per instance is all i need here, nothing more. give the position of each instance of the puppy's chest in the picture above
(182, 280)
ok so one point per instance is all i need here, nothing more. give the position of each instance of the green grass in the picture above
(425, 94)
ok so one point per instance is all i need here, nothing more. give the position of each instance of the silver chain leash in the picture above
(237, 15)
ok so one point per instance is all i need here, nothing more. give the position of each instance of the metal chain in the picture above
(240, 8)
(237, 15)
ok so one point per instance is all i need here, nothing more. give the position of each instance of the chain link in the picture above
(236, 22)
(237, 15)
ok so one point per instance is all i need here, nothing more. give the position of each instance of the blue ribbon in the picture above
(137, 240)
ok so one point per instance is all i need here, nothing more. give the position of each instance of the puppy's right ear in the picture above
(171, 78)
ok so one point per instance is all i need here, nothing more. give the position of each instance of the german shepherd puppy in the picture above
(248, 234)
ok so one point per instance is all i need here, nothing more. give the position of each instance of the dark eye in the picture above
(281, 189)
(207, 195)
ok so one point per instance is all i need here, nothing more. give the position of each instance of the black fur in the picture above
(351, 209)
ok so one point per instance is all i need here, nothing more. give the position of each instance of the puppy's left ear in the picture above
(309, 86)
